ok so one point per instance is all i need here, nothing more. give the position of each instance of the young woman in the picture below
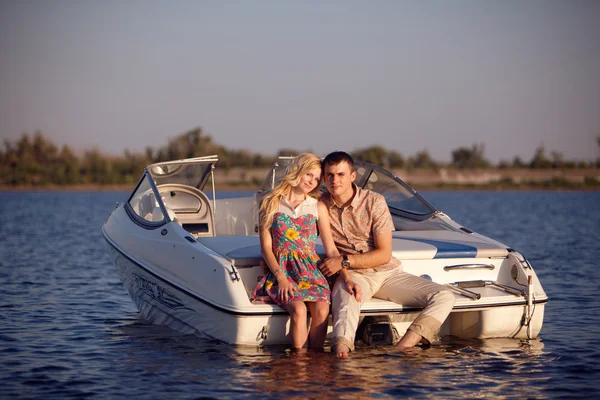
(289, 216)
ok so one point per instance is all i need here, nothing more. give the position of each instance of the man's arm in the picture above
(381, 255)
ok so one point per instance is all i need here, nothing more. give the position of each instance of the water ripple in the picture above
(69, 329)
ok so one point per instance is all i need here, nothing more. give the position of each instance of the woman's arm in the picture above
(331, 251)
(325, 231)
(379, 256)
(286, 288)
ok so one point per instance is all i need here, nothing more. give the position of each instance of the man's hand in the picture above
(354, 289)
(331, 265)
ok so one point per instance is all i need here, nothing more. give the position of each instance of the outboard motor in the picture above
(377, 331)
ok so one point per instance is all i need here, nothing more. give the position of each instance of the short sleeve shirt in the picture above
(354, 227)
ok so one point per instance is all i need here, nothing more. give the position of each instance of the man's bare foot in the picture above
(341, 350)
(407, 349)
(409, 340)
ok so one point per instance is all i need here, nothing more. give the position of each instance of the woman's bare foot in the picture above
(299, 350)
(341, 350)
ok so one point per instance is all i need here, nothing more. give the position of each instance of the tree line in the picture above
(36, 160)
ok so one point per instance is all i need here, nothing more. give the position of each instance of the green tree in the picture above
(464, 157)
(68, 171)
(558, 160)
(285, 152)
(518, 163)
(376, 155)
(422, 160)
(539, 159)
(598, 159)
(396, 160)
(96, 168)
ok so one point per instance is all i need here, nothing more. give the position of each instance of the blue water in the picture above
(68, 328)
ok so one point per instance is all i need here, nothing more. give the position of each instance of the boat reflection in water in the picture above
(453, 368)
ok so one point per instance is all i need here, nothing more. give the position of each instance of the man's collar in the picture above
(353, 202)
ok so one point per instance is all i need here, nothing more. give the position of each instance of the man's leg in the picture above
(410, 290)
(346, 313)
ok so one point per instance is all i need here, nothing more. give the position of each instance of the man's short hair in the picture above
(338, 157)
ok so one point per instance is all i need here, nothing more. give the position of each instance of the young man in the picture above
(362, 228)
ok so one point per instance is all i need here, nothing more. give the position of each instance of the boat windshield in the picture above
(275, 174)
(401, 198)
(191, 172)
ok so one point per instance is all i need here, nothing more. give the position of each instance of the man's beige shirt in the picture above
(354, 227)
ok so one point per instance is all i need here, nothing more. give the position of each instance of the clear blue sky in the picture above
(320, 75)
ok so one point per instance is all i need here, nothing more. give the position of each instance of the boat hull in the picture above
(160, 302)
(163, 303)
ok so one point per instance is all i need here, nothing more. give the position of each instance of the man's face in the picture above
(339, 178)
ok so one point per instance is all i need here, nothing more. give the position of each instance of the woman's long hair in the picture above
(300, 166)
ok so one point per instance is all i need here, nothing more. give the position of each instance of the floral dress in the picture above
(294, 232)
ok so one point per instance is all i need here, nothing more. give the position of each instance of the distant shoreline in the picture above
(515, 179)
(488, 179)
(247, 188)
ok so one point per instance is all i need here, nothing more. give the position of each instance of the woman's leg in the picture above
(298, 329)
(319, 313)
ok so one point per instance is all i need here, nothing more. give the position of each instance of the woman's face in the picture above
(310, 180)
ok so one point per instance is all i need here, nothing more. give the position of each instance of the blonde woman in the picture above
(289, 216)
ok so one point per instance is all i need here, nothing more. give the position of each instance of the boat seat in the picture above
(191, 208)
(245, 254)
(243, 251)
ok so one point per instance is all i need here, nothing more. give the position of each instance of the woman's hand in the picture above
(285, 288)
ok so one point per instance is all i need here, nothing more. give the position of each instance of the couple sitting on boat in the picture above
(356, 228)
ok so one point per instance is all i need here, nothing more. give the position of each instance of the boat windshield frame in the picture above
(368, 176)
(164, 172)
(397, 193)
(196, 179)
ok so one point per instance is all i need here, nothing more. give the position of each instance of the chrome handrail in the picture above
(464, 292)
(506, 288)
(469, 266)
(461, 288)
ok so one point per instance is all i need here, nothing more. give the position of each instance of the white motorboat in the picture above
(189, 259)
